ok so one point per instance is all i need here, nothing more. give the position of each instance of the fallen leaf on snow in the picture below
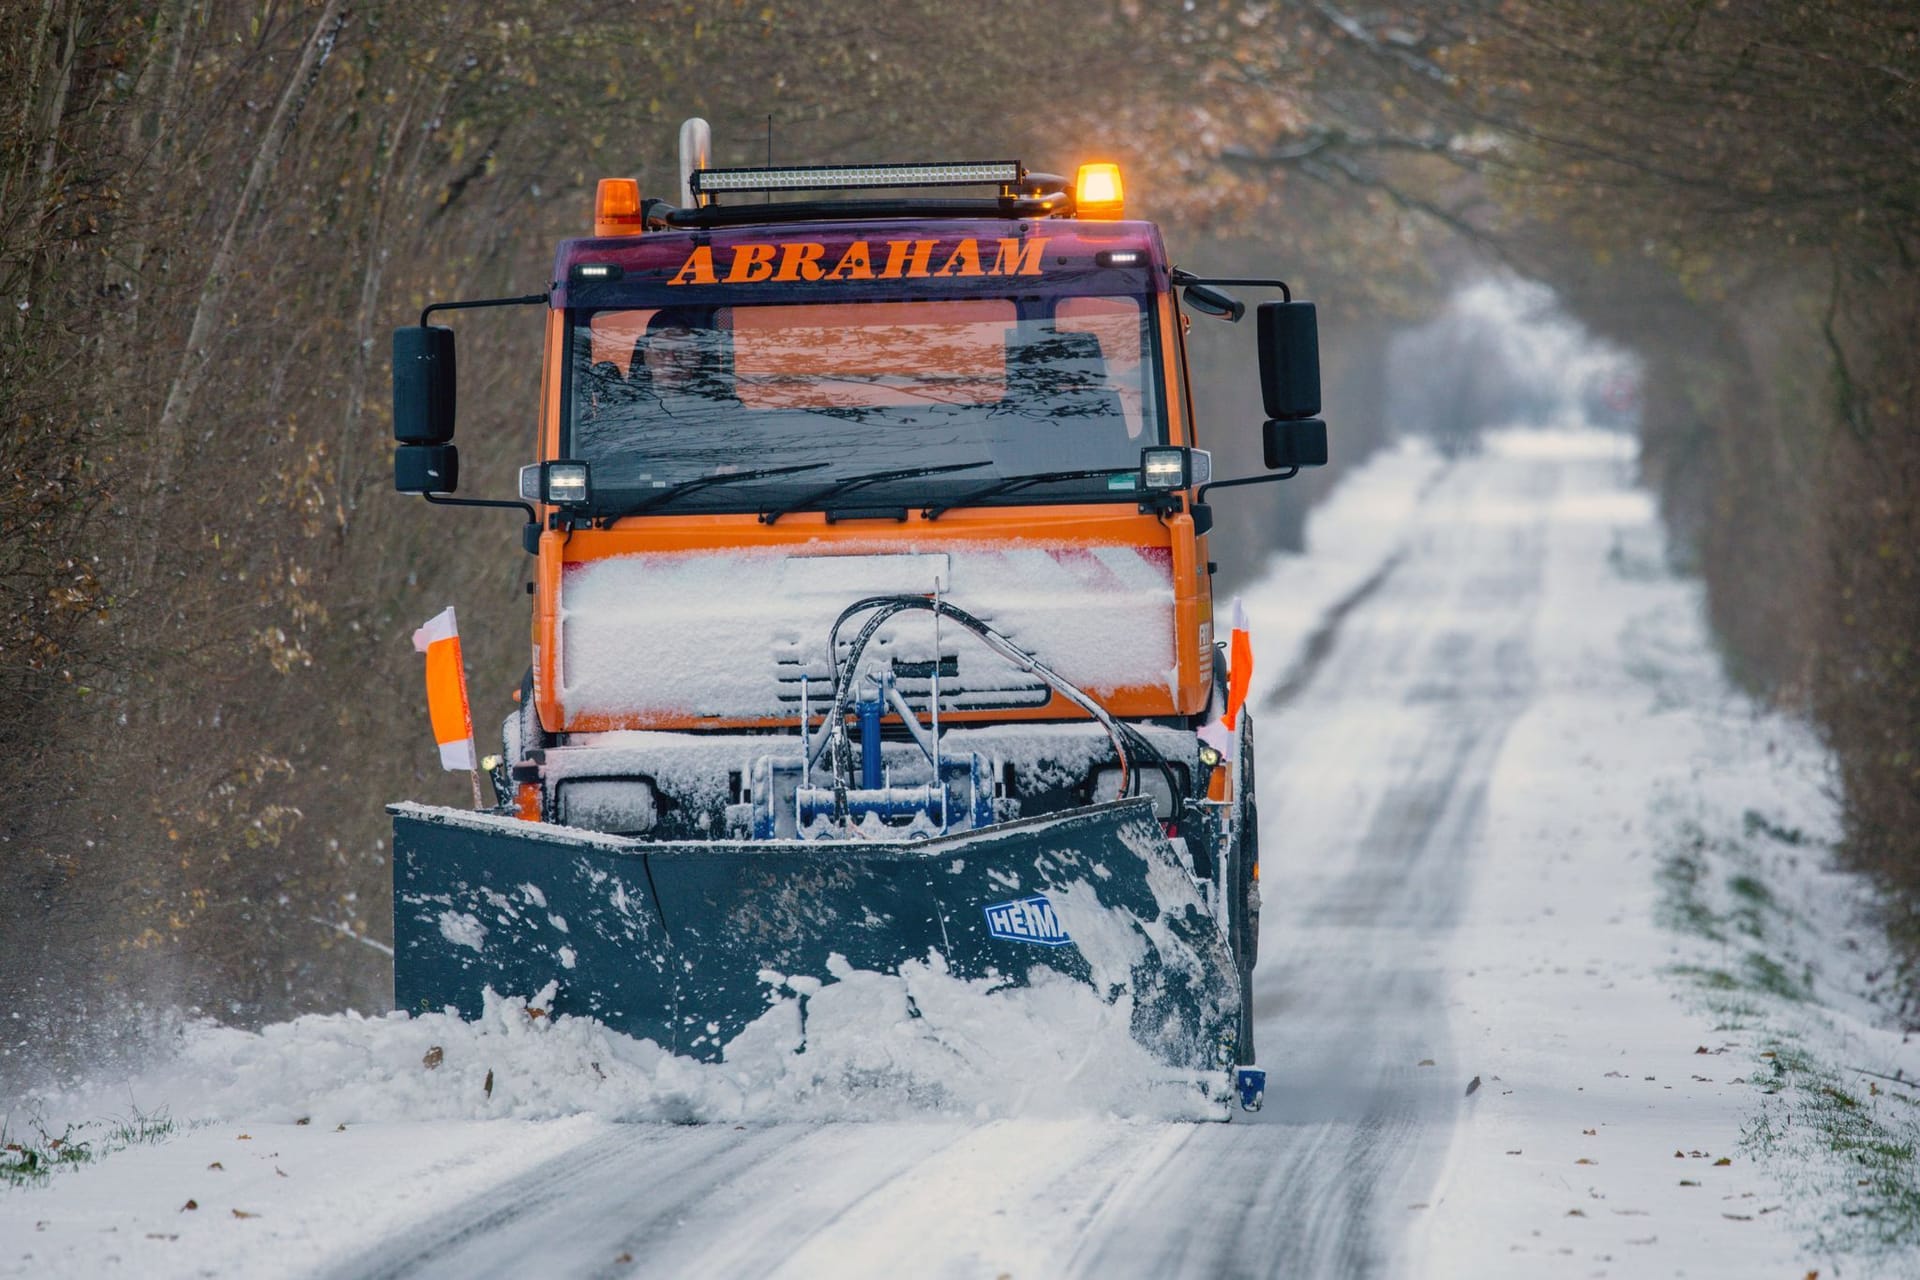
(433, 1057)
(1688, 1182)
(242, 1213)
(1426, 1062)
(1584, 1160)
(1723, 1162)
(1472, 1085)
(217, 1165)
(1738, 1217)
(191, 1204)
(1576, 1213)
(488, 1085)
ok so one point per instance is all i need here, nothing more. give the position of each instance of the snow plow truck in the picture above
(872, 614)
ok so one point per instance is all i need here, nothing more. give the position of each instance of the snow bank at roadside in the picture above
(1661, 974)
(869, 1046)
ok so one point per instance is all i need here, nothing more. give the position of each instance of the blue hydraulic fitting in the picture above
(869, 713)
(1252, 1085)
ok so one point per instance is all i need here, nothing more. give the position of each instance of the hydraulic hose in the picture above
(885, 608)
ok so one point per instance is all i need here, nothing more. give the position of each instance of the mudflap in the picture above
(674, 942)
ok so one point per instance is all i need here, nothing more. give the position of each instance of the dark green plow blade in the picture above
(670, 942)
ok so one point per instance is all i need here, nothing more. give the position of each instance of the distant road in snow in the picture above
(1376, 745)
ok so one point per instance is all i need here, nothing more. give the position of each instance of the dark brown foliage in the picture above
(210, 217)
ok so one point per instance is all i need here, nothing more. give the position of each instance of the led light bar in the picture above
(823, 177)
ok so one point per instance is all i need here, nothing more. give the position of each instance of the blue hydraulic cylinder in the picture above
(871, 776)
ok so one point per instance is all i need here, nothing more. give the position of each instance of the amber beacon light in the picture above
(1097, 192)
(616, 208)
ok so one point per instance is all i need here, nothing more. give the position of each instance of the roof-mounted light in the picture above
(616, 208)
(1097, 192)
(848, 177)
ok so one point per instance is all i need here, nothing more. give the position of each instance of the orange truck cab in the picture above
(765, 421)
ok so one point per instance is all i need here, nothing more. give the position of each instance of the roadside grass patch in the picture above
(1871, 1192)
(1847, 1153)
(30, 1154)
(1681, 906)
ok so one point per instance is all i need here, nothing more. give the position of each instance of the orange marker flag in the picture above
(1239, 665)
(1220, 732)
(447, 690)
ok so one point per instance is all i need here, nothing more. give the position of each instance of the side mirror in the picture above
(423, 384)
(426, 468)
(1300, 442)
(1289, 339)
(1212, 302)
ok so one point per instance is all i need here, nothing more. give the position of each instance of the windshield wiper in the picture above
(688, 486)
(876, 477)
(1012, 484)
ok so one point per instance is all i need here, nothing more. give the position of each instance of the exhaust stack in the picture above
(696, 152)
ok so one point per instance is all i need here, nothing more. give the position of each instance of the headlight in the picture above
(564, 484)
(1153, 785)
(1163, 469)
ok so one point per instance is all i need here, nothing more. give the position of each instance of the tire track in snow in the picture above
(549, 1220)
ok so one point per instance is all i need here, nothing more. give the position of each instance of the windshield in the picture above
(659, 397)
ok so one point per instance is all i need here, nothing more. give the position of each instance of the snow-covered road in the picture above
(1443, 604)
(1375, 761)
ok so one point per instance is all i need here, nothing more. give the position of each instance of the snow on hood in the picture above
(717, 632)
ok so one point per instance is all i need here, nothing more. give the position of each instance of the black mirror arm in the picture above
(524, 300)
(439, 501)
(1288, 474)
(1182, 277)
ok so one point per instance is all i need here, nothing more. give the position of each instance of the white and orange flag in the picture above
(447, 689)
(1220, 733)
(1239, 665)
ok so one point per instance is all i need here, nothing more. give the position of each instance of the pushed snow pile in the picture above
(865, 1046)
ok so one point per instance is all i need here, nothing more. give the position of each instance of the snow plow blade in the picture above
(672, 942)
